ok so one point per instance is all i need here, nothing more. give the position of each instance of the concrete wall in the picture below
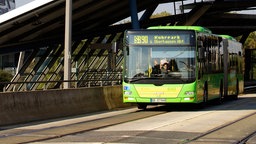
(21, 107)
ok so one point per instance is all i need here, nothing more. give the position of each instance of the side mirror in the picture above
(127, 50)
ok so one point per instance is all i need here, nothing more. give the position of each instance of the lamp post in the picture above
(68, 40)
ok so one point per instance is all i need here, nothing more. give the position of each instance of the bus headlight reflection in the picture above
(127, 88)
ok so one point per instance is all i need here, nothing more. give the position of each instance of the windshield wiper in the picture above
(137, 79)
(142, 78)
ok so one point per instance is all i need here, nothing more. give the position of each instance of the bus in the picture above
(180, 64)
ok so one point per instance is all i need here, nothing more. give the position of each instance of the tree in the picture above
(4, 77)
(157, 15)
(250, 42)
(162, 14)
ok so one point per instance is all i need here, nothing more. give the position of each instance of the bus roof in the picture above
(195, 28)
(228, 37)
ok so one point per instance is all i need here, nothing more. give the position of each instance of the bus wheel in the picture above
(221, 97)
(142, 106)
(205, 96)
(205, 93)
(235, 97)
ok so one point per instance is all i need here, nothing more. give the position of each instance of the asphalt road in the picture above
(181, 125)
(231, 122)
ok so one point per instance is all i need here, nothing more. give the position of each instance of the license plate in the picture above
(158, 100)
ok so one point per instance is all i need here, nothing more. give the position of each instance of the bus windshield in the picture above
(159, 56)
(168, 63)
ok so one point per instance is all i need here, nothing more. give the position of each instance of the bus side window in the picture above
(201, 58)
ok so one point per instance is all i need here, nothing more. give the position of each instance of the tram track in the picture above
(202, 137)
(246, 139)
(46, 131)
(34, 134)
(242, 130)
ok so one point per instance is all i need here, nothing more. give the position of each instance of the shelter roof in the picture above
(42, 22)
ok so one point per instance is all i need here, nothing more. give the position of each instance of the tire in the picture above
(142, 106)
(220, 100)
(205, 96)
(205, 93)
(235, 97)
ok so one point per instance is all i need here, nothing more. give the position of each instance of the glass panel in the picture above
(149, 62)
(159, 56)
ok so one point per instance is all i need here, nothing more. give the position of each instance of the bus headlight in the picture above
(128, 93)
(190, 93)
(189, 98)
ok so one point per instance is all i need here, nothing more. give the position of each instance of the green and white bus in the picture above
(180, 64)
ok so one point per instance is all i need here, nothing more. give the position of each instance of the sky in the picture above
(22, 2)
(163, 7)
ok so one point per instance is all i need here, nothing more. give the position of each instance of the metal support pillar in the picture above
(225, 56)
(195, 15)
(149, 11)
(134, 14)
(182, 7)
(248, 64)
(174, 7)
(20, 62)
(68, 40)
(244, 37)
(1, 62)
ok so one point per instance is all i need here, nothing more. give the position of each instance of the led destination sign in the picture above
(168, 40)
(160, 39)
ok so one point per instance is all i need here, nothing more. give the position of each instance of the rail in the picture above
(178, 6)
(88, 78)
(89, 83)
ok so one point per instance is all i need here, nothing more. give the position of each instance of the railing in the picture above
(179, 5)
(195, 1)
(88, 83)
(93, 77)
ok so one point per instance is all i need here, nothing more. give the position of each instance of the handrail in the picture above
(97, 77)
(101, 82)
